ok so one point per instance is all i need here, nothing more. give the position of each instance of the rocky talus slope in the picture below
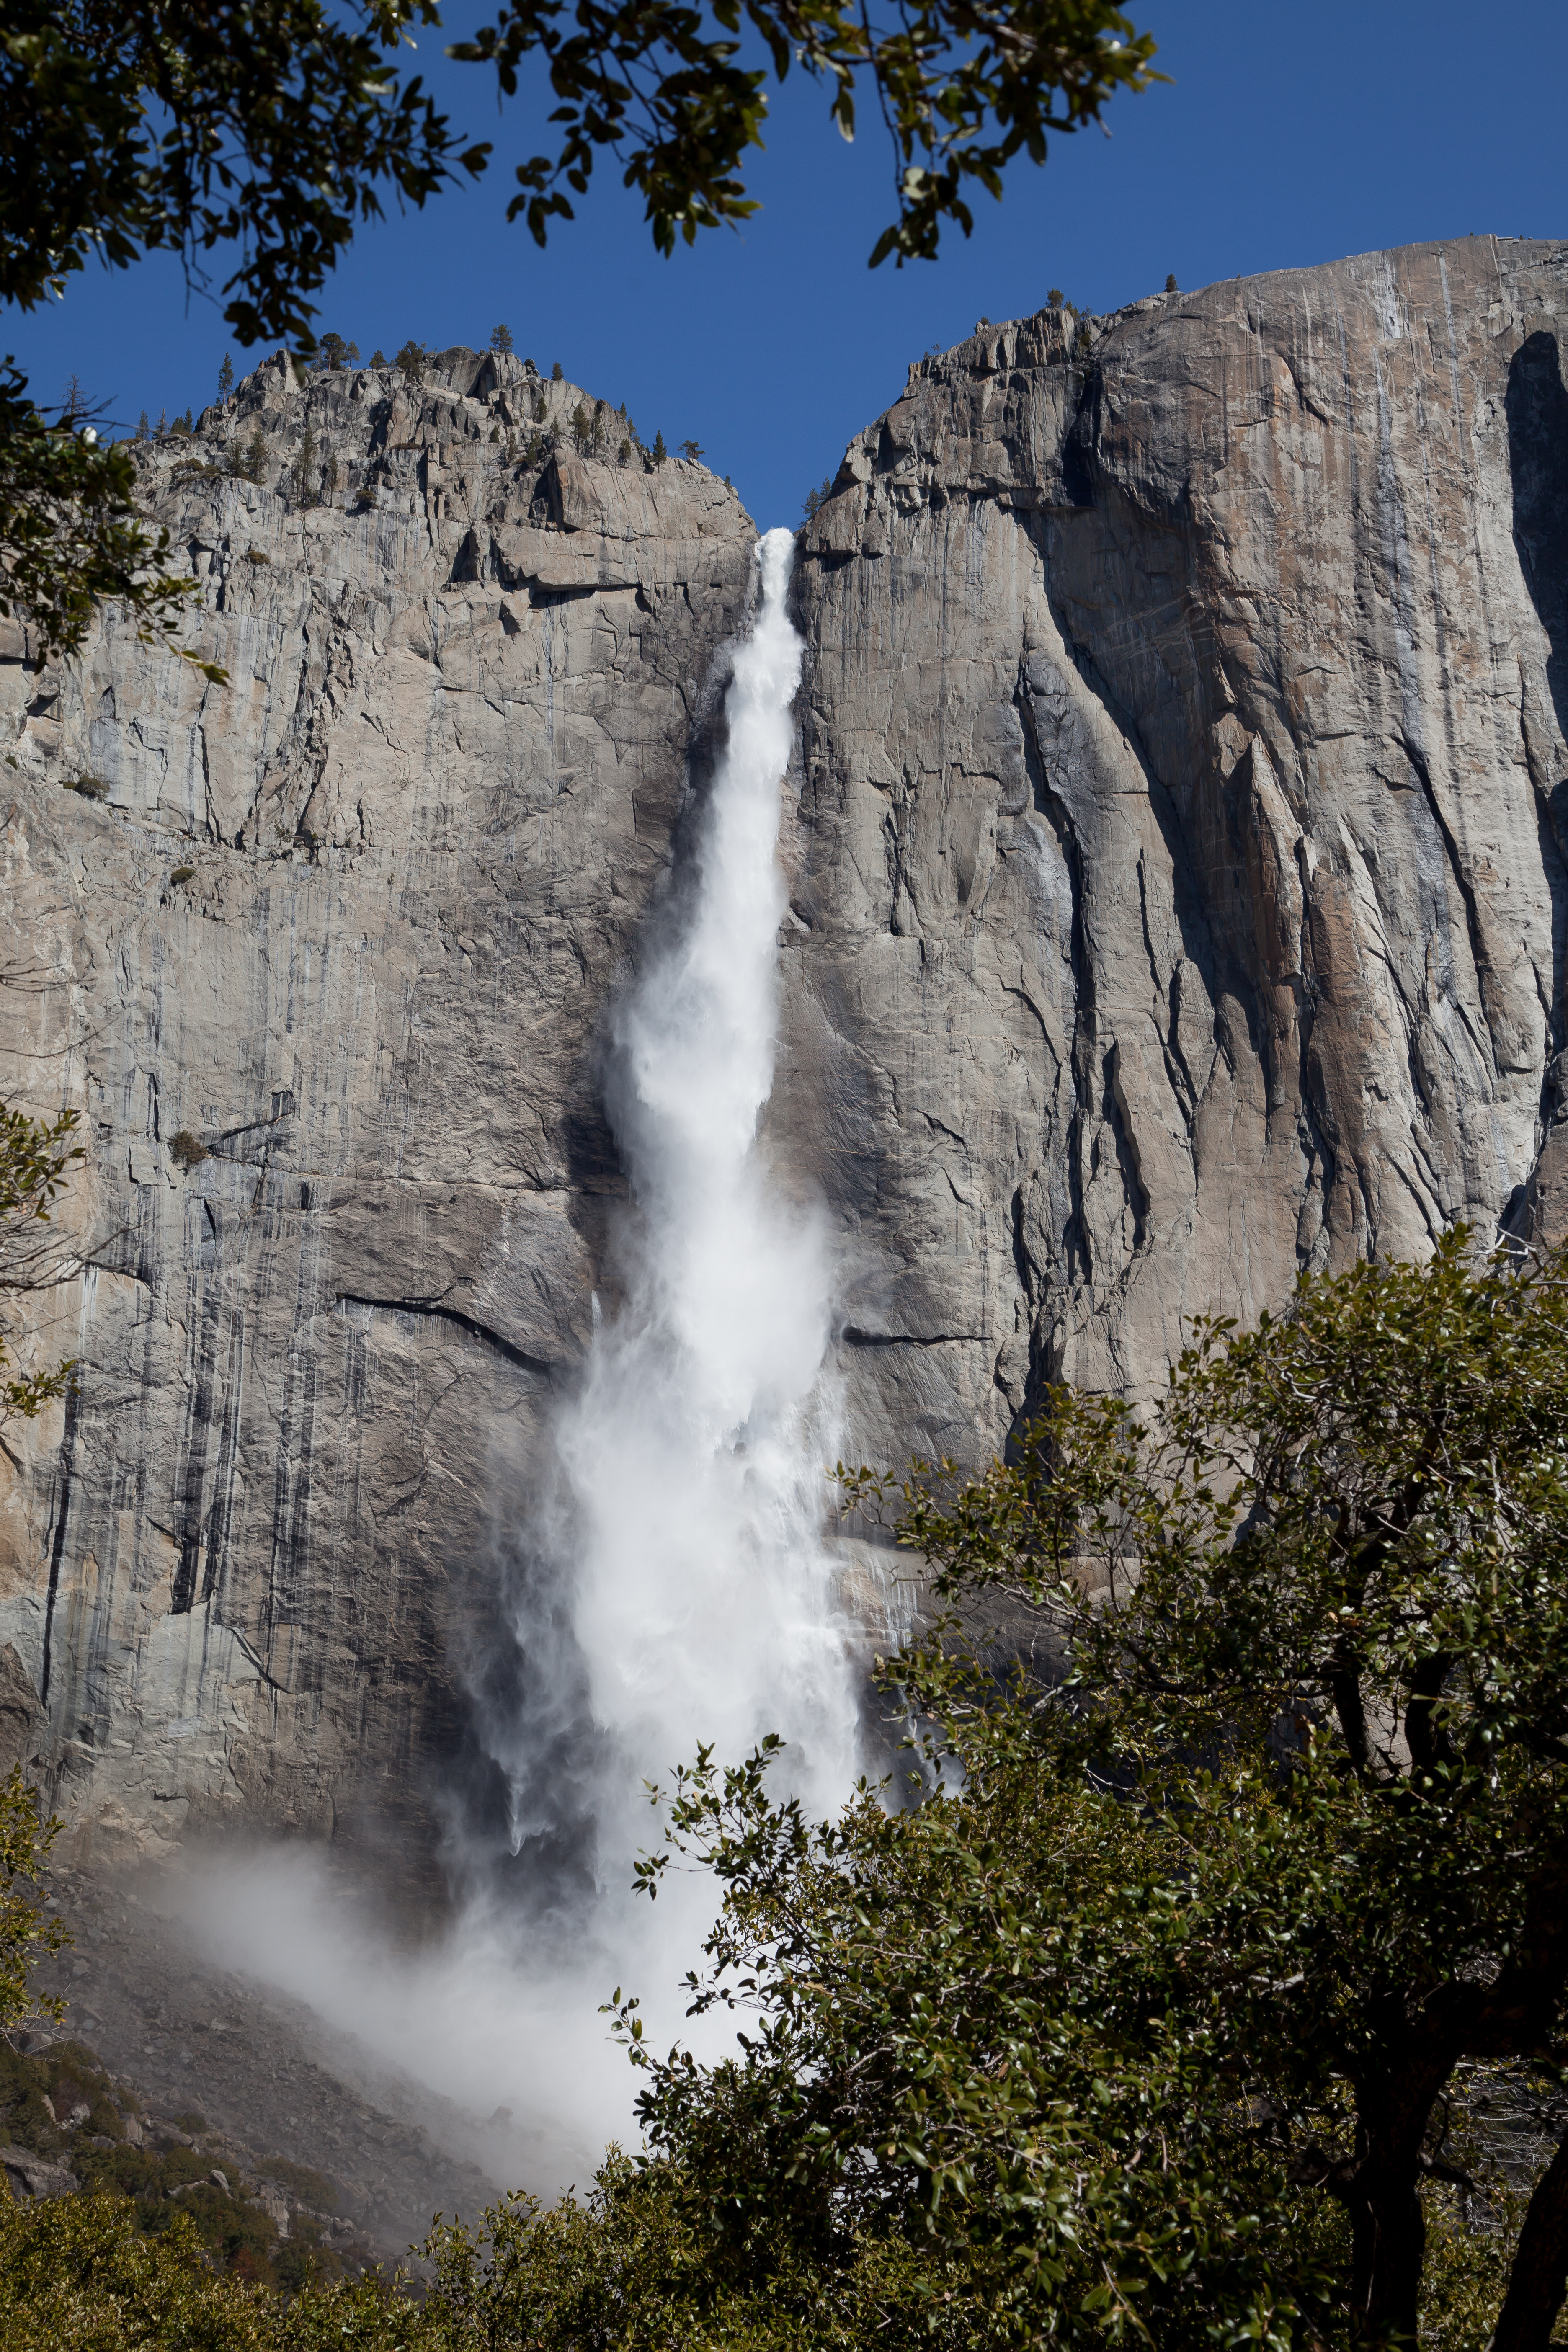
(230, 2098)
(1179, 900)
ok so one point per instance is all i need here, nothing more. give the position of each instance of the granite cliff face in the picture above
(1181, 820)
(348, 924)
(1178, 899)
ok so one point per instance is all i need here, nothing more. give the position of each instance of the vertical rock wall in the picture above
(346, 927)
(1180, 890)
(1179, 900)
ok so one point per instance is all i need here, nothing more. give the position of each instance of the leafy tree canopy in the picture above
(267, 129)
(259, 133)
(1160, 2012)
(70, 534)
(962, 90)
(35, 1158)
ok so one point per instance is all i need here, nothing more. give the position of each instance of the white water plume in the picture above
(703, 1596)
(679, 1588)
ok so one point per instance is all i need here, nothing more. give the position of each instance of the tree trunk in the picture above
(1389, 2236)
(1540, 2272)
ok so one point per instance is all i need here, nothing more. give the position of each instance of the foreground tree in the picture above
(265, 130)
(268, 129)
(27, 1934)
(36, 1157)
(70, 533)
(1163, 2010)
(961, 90)
(1150, 2021)
(1349, 1535)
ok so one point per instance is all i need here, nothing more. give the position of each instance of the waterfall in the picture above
(702, 1599)
(673, 1586)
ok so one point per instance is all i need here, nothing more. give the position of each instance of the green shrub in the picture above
(189, 1152)
(250, 463)
(90, 787)
(183, 873)
(635, 2265)
(77, 2274)
(310, 2186)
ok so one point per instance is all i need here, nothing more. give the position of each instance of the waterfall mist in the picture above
(702, 1597)
(674, 1588)
(669, 1584)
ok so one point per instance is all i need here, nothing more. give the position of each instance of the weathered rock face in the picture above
(1181, 844)
(417, 830)
(1180, 899)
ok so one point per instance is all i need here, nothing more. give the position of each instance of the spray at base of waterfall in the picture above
(669, 1584)
(674, 1587)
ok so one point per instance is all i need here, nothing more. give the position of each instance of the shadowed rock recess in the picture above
(1178, 841)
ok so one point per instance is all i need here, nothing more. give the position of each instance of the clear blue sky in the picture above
(1291, 134)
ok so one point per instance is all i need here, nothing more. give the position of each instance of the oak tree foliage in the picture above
(36, 1157)
(72, 535)
(961, 90)
(252, 137)
(1166, 2010)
